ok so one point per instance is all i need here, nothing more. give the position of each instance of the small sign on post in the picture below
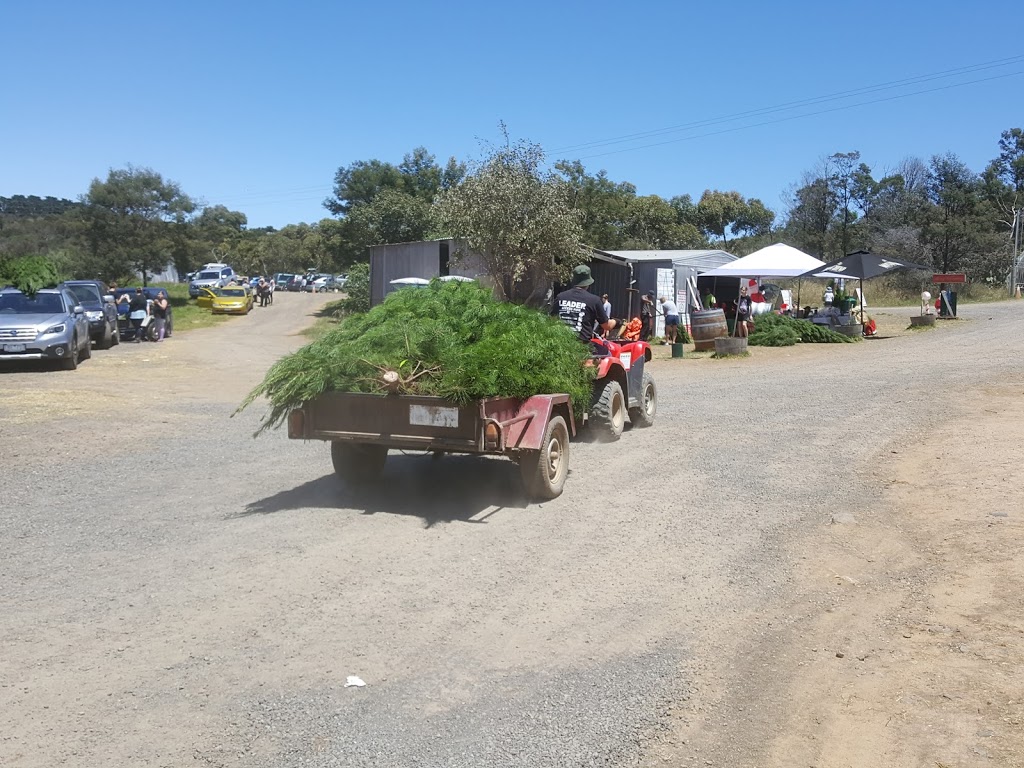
(950, 277)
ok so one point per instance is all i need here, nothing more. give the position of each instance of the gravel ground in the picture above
(191, 594)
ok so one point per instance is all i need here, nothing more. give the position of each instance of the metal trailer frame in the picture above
(519, 429)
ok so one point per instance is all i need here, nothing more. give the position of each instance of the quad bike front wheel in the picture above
(643, 414)
(544, 471)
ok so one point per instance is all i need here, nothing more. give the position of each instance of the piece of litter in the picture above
(354, 682)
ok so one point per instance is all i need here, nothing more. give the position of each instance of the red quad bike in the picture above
(623, 385)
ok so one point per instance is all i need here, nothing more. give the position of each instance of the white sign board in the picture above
(433, 416)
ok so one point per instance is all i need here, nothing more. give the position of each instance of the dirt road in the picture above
(809, 560)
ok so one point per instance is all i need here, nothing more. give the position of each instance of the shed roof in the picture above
(701, 260)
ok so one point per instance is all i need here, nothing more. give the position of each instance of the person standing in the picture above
(743, 309)
(671, 312)
(647, 316)
(159, 310)
(138, 310)
(581, 310)
(607, 305)
(829, 295)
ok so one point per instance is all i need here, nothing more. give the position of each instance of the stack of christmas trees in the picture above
(453, 340)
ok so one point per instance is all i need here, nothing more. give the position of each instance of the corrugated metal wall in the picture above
(391, 262)
(612, 278)
(427, 259)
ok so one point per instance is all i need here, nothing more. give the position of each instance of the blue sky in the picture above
(255, 105)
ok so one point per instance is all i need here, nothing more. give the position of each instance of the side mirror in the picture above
(109, 298)
(78, 309)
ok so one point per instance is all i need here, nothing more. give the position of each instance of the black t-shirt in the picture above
(743, 309)
(137, 303)
(580, 310)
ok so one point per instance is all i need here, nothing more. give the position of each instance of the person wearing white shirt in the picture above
(671, 313)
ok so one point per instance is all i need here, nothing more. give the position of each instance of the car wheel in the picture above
(71, 361)
(115, 337)
(104, 341)
(86, 350)
(151, 332)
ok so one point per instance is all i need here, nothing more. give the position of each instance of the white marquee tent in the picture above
(779, 260)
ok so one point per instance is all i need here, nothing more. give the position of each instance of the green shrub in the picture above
(773, 330)
(453, 340)
(357, 288)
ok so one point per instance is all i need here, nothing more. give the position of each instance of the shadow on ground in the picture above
(449, 489)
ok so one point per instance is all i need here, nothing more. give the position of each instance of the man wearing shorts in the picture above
(671, 313)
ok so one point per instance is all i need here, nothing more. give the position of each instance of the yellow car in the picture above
(232, 300)
(206, 297)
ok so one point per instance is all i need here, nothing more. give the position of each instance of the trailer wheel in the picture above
(643, 415)
(608, 413)
(544, 471)
(355, 463)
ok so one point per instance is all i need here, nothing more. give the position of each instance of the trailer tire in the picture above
(608, 413)
(643, 415)
(356, 463)
(544, 471)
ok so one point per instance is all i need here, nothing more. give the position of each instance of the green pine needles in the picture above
(781, 331)
(450, 339)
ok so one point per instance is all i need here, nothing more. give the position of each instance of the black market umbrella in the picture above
(862, 265)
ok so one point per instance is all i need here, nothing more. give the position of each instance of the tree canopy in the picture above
(518, 218)
(529, 217)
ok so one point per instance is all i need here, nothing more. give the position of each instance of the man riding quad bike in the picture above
(622, 385)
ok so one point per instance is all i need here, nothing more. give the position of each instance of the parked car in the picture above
(211, 278)
(149, 329)
(233, 300)
(50, 325)
(294, 284)
(206, 297)
(320, 283)
(339, 281)
(95, 298)
(281, 279)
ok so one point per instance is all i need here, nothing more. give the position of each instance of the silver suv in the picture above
(211, 277)
(48, 326)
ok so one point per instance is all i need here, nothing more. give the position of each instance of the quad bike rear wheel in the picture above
(643, 414)
(608, 412)
(544, 471)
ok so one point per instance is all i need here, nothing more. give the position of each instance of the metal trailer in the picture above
(361, 428)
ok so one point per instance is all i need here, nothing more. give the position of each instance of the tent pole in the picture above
(862, 301)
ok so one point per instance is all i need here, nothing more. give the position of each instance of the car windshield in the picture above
(209, 276)
(233, 292)
(86, 293)
(40, 304)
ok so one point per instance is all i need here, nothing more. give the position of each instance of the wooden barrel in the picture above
(707, 325)
(724, 347)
